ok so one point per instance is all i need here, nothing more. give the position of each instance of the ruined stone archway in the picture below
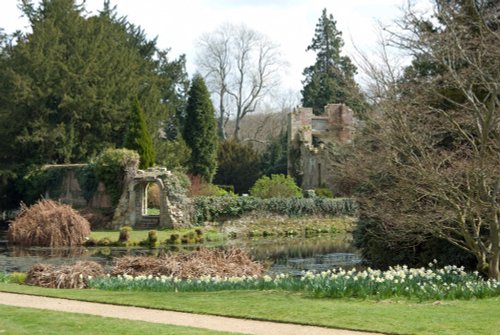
(139, 218)
(174, 208)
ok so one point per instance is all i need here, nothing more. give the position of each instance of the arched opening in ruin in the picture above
(148, 203)
(152, 197)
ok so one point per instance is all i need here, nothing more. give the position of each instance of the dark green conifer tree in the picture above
(239, 165)
(200, 131)
(331, 78)
(137, 137)
(66, 86)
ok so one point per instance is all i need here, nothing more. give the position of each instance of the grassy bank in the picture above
(253, 225)
(388, 316)
(140, 235)
(28, 321)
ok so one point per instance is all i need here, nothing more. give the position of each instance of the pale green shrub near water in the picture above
(278, 185)
(14, 277)
(4, 277)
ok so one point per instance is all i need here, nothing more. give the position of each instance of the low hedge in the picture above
(227, 207)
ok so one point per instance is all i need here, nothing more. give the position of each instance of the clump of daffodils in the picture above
(449, 282)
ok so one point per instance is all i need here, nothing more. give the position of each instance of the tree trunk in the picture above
(236, 133)
(221, 132)
(494, 262)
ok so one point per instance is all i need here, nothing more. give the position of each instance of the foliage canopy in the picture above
(66, 86)
(238, 165)
(137, 137)
(200, 131)
(278, 185)
(428, 166)
(331, 78)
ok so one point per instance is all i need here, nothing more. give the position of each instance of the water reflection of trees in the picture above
(291, 252)
(17, 251)
(279, 249)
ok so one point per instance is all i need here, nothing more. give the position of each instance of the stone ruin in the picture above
(309, 139)
(132, 207)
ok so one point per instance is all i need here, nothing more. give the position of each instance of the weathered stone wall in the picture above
(70, 192)
(174, 206)
(310, 136)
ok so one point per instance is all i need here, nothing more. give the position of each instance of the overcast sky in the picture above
(290, 23)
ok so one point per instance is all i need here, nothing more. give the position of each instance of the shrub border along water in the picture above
(449, 282)
(208, 209)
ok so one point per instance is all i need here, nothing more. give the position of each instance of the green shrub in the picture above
(173, 239)
(278, 185)
(275, 156)
(379, 252)
(151, 241)
(124, 236)
(138, 138)
(110, 168)
(208, 209)
(323, 192)
(4, 277)
(39, 181)
(238, 165)
(201, 188)
(104, 242)
(212, 190)
(17, 277)
(153, 237)
(214, 208)
(172, 154)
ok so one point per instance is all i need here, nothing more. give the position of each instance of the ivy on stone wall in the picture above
(110, 167)
(227, 207)
(295, 157)
(177, 185)
(88, 181)
(37, 182)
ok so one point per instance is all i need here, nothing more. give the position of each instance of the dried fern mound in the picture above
(204, 262)
(48, 224)
(64, 276)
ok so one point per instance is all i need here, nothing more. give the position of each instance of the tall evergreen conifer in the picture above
(137, 137)
(331, 78)
(200, 131)
(239, 165)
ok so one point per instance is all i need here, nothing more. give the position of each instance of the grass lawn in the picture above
(389, 316)
(28, 321)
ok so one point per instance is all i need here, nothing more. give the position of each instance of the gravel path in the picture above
(169, 317)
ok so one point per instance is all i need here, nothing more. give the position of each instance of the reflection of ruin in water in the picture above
(289, 255)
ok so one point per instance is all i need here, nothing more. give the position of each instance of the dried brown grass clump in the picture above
(65, 276)
(204, 262)
(48, 224)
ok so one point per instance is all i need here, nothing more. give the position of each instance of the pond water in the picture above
(282, 255)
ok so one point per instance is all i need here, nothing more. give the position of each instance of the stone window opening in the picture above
(316, 141)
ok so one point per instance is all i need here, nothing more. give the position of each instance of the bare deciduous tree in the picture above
(436, 137)
(241, 67)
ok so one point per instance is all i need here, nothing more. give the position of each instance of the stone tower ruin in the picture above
(310, 140)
